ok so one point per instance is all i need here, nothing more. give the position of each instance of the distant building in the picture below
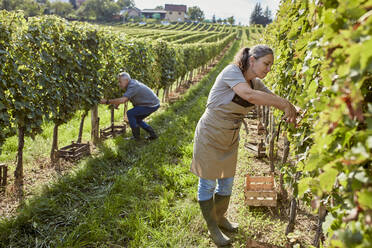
(154, 13)
(130, 12)
(175, 13)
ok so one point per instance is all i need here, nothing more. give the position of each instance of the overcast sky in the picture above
(240, 9)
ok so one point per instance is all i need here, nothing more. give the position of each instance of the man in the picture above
(144, 100)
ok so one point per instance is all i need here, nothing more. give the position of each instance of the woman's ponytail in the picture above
(244, 64)
(246, 50)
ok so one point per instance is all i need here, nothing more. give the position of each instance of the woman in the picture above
(235, 92)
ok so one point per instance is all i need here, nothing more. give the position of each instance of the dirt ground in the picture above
(249, 163)
(37, 175)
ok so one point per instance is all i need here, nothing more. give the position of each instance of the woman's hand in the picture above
(103, 101)
(290, 113)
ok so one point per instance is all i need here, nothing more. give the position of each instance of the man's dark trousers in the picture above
(137, 114)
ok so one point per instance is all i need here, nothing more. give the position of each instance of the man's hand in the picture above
(114, 101)
(104, 101)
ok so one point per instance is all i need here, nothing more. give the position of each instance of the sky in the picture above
(240, 9)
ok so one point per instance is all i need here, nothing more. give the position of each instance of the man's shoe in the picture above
(132, 138)
(151, 137)
(152, 133)
(136, 134)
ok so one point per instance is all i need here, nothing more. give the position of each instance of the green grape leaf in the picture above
(366, 55)
(365, 199)
(304, 185)
(327, 179)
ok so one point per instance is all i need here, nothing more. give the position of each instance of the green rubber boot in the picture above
(221, 204)
(209, 214)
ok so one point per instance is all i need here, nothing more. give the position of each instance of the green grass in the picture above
(130, 194)
(41, 145)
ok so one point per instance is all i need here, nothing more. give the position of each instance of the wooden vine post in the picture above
(164, 94)
(273, 134)
(168, 89)
(112, 110)
(264, 116)
(81, 126)
(258, 111)
(286, 149)
(53, 153)
(18, 173)
(283, 192)
(190, 75)
(322, 212)
(293, 209)
(245, 126)
(125, 118)
(95, 125)
(292, 216)
(267, 114)
(3, 175)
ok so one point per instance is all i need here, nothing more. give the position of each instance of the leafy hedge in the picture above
(324, 65)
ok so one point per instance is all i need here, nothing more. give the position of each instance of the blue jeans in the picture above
(137, 114)
(207, 188)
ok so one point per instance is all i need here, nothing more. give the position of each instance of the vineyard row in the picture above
(51, 68)
(325, 67)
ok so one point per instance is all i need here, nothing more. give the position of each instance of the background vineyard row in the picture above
(51, 68)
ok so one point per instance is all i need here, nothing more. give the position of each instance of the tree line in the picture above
(100, 10)
(259, 16)
(107, 10)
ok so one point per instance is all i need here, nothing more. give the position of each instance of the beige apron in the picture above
(216, 141)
